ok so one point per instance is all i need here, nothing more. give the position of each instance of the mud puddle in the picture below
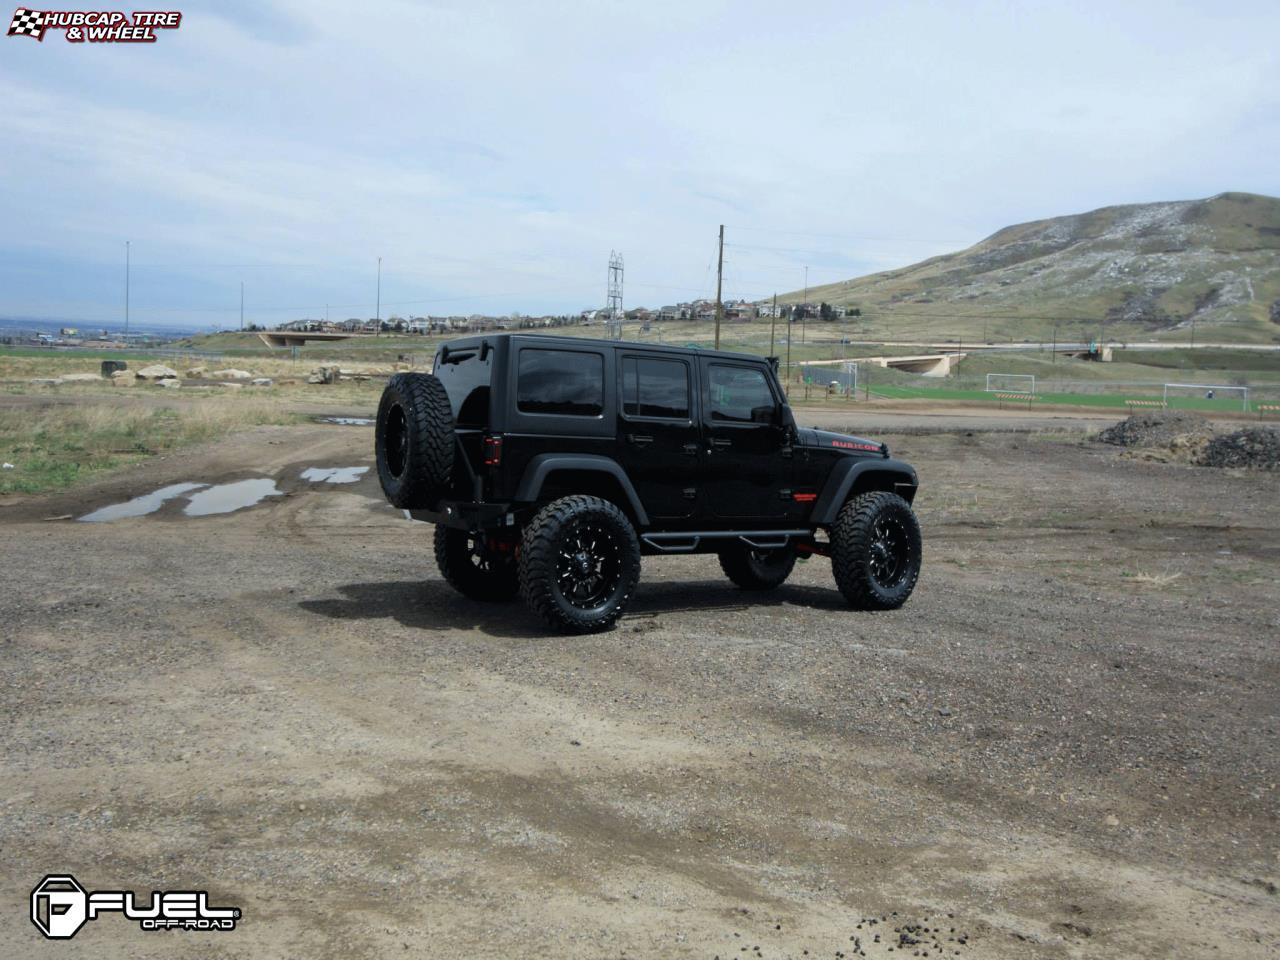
(229, 497)
(334, 474)
(140, 506)
(202, 500)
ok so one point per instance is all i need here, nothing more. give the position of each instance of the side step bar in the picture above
(687, 542)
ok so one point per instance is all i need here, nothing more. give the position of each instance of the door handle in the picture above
(691, 449)
(639, 440)
(720, 442)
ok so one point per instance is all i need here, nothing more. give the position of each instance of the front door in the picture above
(658, 436)
(747, 450)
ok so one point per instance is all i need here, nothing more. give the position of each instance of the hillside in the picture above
(1144, 269)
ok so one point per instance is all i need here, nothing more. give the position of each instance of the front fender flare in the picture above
(846, 473)
(545, 464)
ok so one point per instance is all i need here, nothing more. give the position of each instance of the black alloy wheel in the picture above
(579, 563)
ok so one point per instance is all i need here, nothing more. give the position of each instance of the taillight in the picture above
(492, 451)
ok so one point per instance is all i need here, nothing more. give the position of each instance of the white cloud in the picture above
(503, 149)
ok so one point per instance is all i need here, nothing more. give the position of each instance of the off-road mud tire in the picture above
(753, 569)
(481, 574)
(414, 441)
(551, 537)
(858, 553)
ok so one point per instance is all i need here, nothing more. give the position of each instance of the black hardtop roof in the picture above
(550, 340)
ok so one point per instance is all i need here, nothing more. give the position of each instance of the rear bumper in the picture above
(465, 515)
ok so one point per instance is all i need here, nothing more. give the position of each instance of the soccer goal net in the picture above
(839, 380)
(1204, 395)
(1011, 383)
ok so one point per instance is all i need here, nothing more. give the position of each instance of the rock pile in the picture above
(1177, 435)
(1257, 447)
(1157, 428)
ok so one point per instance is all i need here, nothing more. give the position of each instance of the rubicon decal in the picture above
(94, 26)
(847, 445)
(60, 907)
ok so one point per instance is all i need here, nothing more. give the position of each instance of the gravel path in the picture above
(1063, 746)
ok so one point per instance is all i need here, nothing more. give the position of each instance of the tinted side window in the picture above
(560, 381)
(740, 395)
(655, 388)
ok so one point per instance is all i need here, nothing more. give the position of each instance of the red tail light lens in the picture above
(492, 451)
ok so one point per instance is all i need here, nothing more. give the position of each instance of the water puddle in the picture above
(140, 506)
(347, 421)
(229, 497)
(334, 474)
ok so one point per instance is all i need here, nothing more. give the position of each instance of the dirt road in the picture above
(1063, 746)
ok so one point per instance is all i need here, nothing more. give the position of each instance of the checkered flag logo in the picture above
(27, 23)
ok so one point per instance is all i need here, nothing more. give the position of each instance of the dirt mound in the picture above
(1158, 428)
(1257, 447)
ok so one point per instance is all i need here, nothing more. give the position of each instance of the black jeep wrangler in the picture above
(549, 465)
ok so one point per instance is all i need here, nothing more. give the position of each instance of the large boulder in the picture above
(197, 373)
(124, 378)
(157, 371)
(231, 374)
(261, 382)
(328, 374)
(173, 383)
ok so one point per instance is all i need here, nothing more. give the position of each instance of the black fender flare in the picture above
(846, 473)
(545, 464)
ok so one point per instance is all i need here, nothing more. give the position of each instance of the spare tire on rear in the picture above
(414, 441)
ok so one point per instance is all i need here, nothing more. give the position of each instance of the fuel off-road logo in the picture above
(60, 907)
(94, 26)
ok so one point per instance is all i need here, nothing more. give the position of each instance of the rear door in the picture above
(748, 456)
(657, 432)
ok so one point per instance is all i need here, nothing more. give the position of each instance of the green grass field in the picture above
(1112, 400)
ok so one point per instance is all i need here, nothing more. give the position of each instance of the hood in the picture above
(842, 442)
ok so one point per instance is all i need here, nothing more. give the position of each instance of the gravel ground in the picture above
(1063, 746)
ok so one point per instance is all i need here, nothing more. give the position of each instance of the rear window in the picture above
(563, 382)
(655, 388)
(466, 380)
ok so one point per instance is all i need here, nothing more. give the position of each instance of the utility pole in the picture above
(126, 291)
(773, 320)
(1055, 344)
(719, 282)
(1193, 330)
(377, 329)
(242, 306)
(804, 314)
(790, 331)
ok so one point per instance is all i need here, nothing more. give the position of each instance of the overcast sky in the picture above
(494, 153)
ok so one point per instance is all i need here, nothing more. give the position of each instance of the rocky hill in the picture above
(1152, 268)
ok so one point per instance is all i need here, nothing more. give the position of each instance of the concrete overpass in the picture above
(927, 365)
(296, 338)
